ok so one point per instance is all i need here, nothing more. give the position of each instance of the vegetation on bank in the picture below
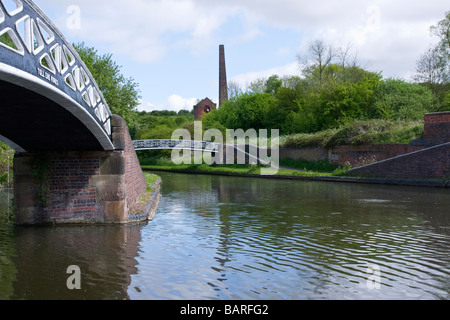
(6, 166)
(287, 167)
(150, 179)
(238, 169)
(360, 132)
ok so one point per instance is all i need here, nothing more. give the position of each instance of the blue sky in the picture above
(171, 47)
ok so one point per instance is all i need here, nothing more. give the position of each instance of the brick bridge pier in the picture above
(83, 186)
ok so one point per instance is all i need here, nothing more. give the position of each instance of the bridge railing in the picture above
(32, 49)
(161, 144)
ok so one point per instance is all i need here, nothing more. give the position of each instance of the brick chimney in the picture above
(223, 86)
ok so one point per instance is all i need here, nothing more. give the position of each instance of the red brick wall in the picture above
(430, 163)
(71, 195)
(200, 108)
(438, 117)
(433, 162)
(365, 154)
(353, 155)
(134, 177)
(437, 128)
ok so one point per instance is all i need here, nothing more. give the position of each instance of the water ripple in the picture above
(321, 244)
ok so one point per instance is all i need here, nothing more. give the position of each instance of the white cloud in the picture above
(147, 30)
(388, 36)
(246, 79)
(143, 30)
(146, 106)
(174, 103)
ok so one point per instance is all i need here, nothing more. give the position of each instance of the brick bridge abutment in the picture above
(106, 187)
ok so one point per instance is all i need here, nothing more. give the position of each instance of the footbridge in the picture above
(229, 153)
(168, 144)
(75, 160)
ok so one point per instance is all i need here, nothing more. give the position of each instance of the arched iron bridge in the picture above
(49, 99)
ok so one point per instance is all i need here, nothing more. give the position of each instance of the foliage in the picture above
(295, 105)
(302, 105)
(6, 166)
(247, 111)
(340, 99)
(160, 125)
(6, 39)
(397, 99)
(433, 67)
(120, 93)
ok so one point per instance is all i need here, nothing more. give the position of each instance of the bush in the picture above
(400, 100)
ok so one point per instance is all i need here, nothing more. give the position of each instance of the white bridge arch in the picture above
(35, 56)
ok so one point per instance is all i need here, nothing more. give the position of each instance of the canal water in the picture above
(239, 238)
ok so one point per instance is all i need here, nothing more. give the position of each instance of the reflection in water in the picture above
(34, 261)
(238, 238)
(105, 256)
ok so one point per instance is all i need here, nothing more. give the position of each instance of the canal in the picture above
(238, 238)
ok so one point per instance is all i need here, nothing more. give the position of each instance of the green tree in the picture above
(396, 99)
(433, 67)
(273, 84)
(442, 31)
(320, 55)
(121, 94)
(283, 114)
(247, 111)
(346, 94)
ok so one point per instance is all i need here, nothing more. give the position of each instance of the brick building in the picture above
(203, 107)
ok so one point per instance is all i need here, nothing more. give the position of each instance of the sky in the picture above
(171, 47)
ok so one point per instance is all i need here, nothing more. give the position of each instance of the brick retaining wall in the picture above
(433, 162)
(430, 163)
(365, 154)
(436, 132)
(437, 128)
(354, 155)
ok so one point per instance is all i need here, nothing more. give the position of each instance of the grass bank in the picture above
(321, 174)
(150, 178)
(371, 132)
(287, 167)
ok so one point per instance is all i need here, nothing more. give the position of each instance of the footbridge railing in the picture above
(161, 144)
